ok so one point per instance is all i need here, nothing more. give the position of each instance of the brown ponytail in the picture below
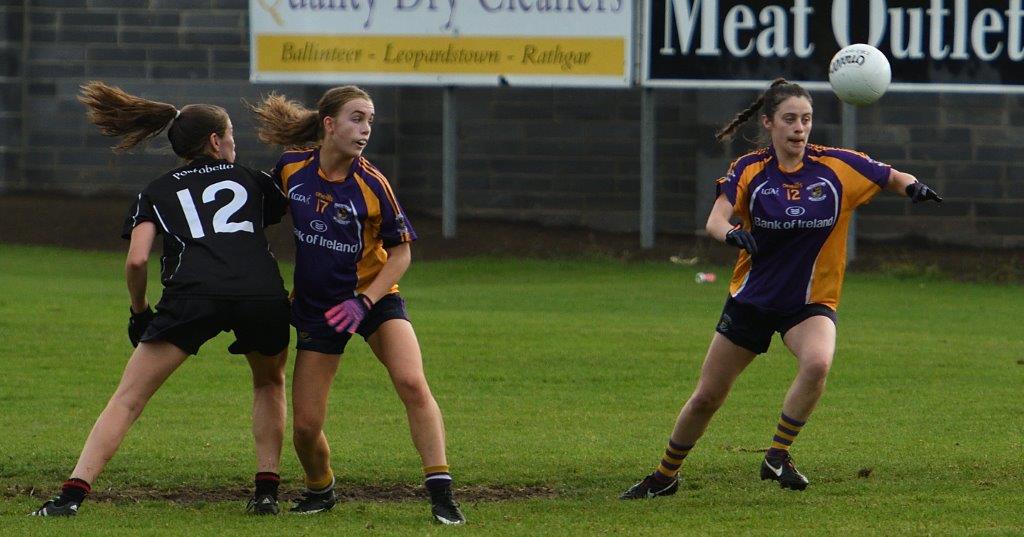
(120, 114)
(290, 124)
(779, 91)
(284, 122)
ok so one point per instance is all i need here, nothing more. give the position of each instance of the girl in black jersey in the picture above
(218, 275)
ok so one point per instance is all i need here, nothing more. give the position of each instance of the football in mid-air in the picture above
(859, 74)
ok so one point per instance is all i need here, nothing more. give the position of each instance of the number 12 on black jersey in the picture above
(221, 217)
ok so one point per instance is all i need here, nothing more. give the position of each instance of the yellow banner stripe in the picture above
(442, 55)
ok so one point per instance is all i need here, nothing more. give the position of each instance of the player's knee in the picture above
(131, 407)
(268, 379)
(703, 402)
(816, 368)
(413, 391)
(306, 429)
(129, 403)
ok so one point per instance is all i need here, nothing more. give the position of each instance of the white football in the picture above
(859, 74)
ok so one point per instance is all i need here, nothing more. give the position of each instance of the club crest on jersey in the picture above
(343, 214)
(816, 192)
(400, 224)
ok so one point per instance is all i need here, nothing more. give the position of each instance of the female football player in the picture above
(352, 246)
(218, 275)
(794, 201)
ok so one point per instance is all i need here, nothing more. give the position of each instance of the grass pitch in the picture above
(559, 382)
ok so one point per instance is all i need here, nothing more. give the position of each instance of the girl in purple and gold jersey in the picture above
(352, 246)
(793, 201)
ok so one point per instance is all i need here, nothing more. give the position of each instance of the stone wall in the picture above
(557, 156)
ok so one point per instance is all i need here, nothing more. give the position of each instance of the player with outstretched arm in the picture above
(793, 201)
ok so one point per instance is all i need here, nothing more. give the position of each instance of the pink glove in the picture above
(347, 315)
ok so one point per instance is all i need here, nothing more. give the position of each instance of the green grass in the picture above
(566, 375)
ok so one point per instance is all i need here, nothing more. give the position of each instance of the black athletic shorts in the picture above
(752, 328)
(323, 338)
(259, 325)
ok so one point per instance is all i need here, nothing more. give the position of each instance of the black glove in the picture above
(741, 239)
(137, 324)
(918, 191)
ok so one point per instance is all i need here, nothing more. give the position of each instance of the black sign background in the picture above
(971, 75)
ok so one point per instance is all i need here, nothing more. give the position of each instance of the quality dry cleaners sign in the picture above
(531, 42)
(938, 44)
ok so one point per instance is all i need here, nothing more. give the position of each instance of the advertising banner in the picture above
(443, 42)
(932, 45)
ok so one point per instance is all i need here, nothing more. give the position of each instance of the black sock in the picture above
(439, 484)
(73, 490)
(267, 483)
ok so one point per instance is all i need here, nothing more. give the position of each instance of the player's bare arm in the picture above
(718, 221)
(135, 264)
(399, 258)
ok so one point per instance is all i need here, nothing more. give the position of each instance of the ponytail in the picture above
(290, 124)
(286, 123)
(779, 91)
(118, 113)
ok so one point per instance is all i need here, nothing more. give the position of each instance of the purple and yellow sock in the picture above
(785, 434)
(669, 467)
(321, 485)
(436, 477)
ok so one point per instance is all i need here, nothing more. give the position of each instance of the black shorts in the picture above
(752, 328)
(259, 325)
(323, 338)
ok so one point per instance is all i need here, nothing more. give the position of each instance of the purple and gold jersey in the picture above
(341, 231)
(799, 219)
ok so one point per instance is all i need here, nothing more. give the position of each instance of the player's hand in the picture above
(347, 315)
(918, 192)
(137, 324)
(741, 239)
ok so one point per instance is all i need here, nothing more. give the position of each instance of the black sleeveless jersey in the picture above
(212, 213)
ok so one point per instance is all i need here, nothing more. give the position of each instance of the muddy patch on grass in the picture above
(393, 492)
(469, 493)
